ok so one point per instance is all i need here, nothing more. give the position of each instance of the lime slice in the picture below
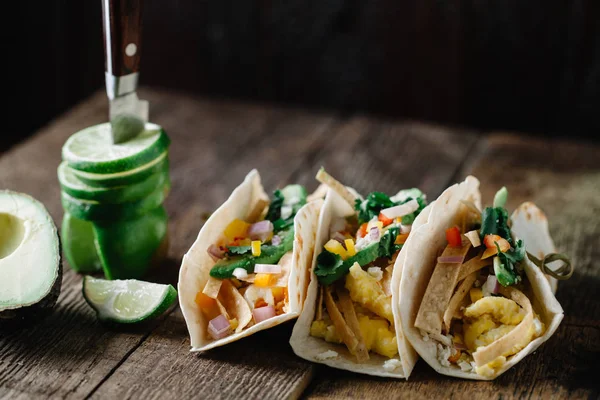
(125, 178)
(120, 194)
(92, 149)
(128, 249)
(78, 244)
(128, 301)
(91, 210)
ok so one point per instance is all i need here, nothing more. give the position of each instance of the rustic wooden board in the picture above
(71, 355)
(564, 180)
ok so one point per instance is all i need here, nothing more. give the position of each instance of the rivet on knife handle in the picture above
(122, 25)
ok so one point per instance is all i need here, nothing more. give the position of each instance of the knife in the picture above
(122, 26)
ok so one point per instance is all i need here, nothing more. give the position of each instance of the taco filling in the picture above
(354, 271)
(249, 282)
(477, 304)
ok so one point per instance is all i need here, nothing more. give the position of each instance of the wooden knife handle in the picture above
(122, 26)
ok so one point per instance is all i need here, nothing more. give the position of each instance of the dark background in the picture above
(528, 65)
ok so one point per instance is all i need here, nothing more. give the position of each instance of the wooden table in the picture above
(215, 143)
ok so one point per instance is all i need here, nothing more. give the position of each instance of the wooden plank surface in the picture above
(71, 355)
(563, 178)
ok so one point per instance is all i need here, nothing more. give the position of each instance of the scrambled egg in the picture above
(376, 332)
(368, 292)
(489, 319)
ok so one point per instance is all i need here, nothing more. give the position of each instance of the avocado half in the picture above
(30, 264)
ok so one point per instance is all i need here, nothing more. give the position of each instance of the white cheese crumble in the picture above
(240, 273)
(392, 364)
(443, 353)
(326, 355)
(375, 272)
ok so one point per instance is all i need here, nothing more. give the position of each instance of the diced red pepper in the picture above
(453, 237)
(384, 220)
(363, 230)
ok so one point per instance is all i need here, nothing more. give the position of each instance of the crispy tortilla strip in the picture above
(222, 309)
(319, 310)
(257, 211)
(336, 186)
(345, 303)
(319, 193)
(235, 304)
(457, 299)
(212, 287)
(512, 341)
(341, 327)
(439, 291)
(473, 265)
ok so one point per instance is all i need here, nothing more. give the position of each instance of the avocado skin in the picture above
(28, 315)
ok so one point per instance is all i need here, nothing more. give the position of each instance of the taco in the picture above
(473, 304)
(248, 268)
(350, 318)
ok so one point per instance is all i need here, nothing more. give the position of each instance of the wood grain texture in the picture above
(214, 145)
(563, 178)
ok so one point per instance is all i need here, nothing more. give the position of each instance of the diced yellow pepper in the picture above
(236, 229)
(256, 248)
(401, 238)
(350, 247)
(278, 293)
(246, 242)
(264, 280)
(335, 247)
(475, 294)
(233, 323)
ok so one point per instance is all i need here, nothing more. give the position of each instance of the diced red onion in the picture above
(339, 237)
(405, 228)
(219, 327)
(260, 230)
(267, 269)
(374, 233)
(263, 313)
(450, 259)
(215, 252)
(400, 211)
(276, 240)
(491, 284)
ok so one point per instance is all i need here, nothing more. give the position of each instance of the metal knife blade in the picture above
(128, 115)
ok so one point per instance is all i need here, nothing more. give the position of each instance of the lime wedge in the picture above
(127, 301)
(92, 149)
(71, 185)
(128, 249)
(78, 244)
(91, 210)
(125, 178)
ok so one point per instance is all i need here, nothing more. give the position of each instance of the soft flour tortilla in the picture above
(337, 355)
(194, 272)
(421, 254)
(530, 224)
